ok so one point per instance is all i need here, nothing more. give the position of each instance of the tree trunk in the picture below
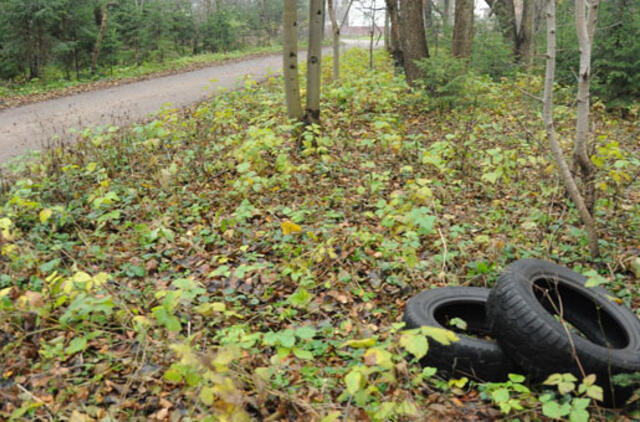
(547, 115)
(96, 49)
(415, 40)
(314, 61)
(396, 41)
(428, 14)
(524, 42)
(506, 14)
(463, 29)
(290, 59)
(446, 9)
(585, 25)
(335, 29)
(387, 32)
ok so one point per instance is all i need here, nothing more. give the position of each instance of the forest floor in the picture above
(204, 265)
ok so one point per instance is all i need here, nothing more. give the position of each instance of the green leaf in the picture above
(595, 392)
(300, 298)
(287, 338)
(442, 336)
(516, 378)
(305, 332)
(429, 371)
(579, 415)
(302, 354)
(459, 323)
(173, 375)
(76, 345)
(594, 279)
(415, 344)
(500, 395)
(552, 409)
(353, 380)
(206, 395)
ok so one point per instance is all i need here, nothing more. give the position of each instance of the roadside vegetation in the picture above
(210, 265)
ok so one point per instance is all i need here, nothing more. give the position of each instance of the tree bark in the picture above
(524, 41)
(428, 14)
(314, 61)
(335, 29)
(547, 115)
(290, 59)
(96, 49)
(463, 29)
(414, 38)
(506, 14)
(585, 25)
(396, 40)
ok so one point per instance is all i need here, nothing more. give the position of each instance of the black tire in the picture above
(474, 357)
(522, 312)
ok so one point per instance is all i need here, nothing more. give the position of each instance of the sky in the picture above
(358, 17)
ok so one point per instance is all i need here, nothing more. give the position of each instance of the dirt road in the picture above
(36, 126)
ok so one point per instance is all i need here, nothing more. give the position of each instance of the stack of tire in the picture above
(537, 320)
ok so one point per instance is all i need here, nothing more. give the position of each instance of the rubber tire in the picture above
(528, 331)
(473, 357)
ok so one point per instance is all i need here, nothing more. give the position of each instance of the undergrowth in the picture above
(201, 266)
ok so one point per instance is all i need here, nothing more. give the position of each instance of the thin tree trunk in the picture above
(387, 32)
(314, 61)
(446, 12)
(335, 29)
(396, 41)
(585, 25)
(96, 49)
(547, 115)
(372, 33)
(290, 59)
(428, 14)
(415, 40)
(463, 29)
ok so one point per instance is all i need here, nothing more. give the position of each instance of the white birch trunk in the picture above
(314, 61)
(585, 25)
(290, 59)
(547, 116)
(335, 30)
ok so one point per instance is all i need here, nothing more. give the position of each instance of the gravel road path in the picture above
(36, 126)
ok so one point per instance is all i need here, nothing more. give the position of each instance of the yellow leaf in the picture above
(91, 167)
(289, 227)
(359, 344)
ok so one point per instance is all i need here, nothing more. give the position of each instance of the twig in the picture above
(444, 254)
(528, 94)
(38, 399)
